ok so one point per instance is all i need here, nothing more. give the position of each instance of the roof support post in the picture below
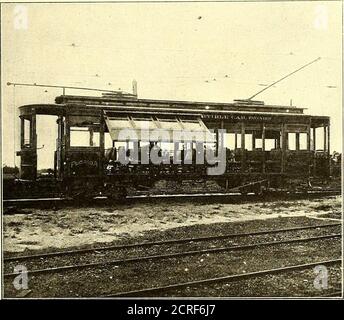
(22, 132)
(33, 138)
(33, 143)
(286, 139)
(263, 147)
(67, 135)
(60, 146)
(243, 160)
(216, 141)
(223, 136)
(91, 137)
(297, 141)
(284, 147)
(278, 141)
(101, 144)
(314, 151)
(328, 148)
(67, 142)
(328, 139)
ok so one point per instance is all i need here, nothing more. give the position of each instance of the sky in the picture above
(178, 51)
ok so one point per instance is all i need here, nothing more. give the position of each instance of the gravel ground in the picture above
(120, 278)
(98, 256)
(288, 284)
(78, 227)
(48, 230)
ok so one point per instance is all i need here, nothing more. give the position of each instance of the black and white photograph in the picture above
(171, 150)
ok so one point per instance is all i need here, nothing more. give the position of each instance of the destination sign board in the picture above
(238, 117)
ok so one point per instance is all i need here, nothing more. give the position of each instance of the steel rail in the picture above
(173, 255)
(334, 294)
(163, 242)
(180, 195)
(237, 197)
(229, 278)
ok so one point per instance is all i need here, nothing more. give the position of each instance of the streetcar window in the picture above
(96, 139)
(269, 144)
(291, 141)
(230, 140)
(259, 144)
(27, 135)
(83, 137)
(107, 140)
(303, 141)
(248, 141)
(319, 139)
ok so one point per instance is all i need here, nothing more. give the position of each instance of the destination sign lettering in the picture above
(237, 117)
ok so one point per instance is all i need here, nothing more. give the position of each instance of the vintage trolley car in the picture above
(271, 146)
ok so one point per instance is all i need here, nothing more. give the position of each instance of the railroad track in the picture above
(336, 293)
(179, 254)
(167, 242)
(229, 278)
(234, 197)
(159, 288)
